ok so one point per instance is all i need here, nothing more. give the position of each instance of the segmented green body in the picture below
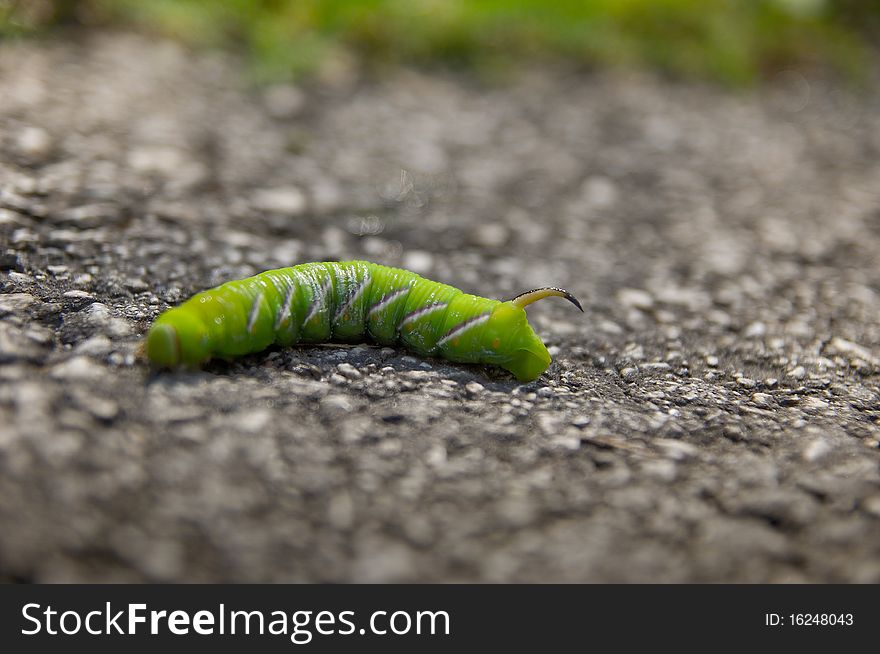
(346, 301)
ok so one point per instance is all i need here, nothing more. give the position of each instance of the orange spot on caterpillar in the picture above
(496, 343)
(456, 341)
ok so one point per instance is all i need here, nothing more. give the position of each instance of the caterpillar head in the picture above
(176, 338)
(512, 342)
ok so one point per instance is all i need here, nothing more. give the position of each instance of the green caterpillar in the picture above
(318, 302)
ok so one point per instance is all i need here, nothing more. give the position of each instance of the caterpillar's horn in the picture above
(528, 297)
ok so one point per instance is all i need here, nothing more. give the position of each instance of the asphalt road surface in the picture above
(713, 416)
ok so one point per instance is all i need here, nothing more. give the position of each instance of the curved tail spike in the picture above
(524, 299)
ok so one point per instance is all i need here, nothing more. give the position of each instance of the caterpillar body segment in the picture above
(349, 301)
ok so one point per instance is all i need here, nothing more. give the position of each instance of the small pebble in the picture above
(798, 373)
(610, 327)
(78, 295)
(103, 408)
(872, 505)
(34, 142)
(95, 346)
(136, 285)
(491, 235)
(763, 400)
(349, 371)
(78, 367)
(817, 450)
(756, 330)
(285, 200)
(663, 470)
(473, 388)
(418, 261)
(842, 346)
(629, 374)
(334, 406)
(635, 298)
(676, 450)
(15, 302)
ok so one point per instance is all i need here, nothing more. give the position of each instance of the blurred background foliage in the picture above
(735, 42)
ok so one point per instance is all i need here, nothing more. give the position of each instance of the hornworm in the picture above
(345, 301)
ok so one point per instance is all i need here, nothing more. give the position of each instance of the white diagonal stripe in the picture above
(285, 307)
(463, 327)
(418, 313)
(255, 312)
(388, 299)
(319, 299)
(354, 296)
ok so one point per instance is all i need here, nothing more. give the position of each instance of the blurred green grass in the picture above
(736, 42)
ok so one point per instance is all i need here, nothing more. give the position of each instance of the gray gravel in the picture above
(713, 416)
